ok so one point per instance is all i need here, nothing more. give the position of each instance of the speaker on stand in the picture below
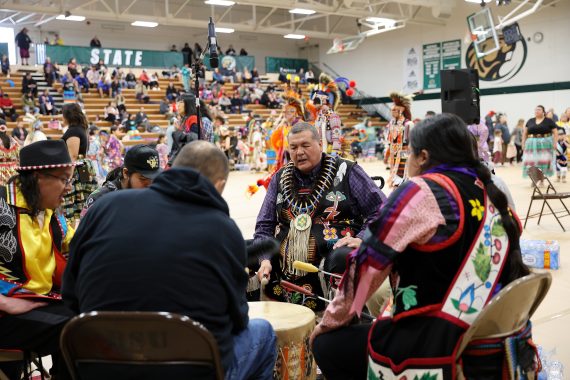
(460, 94)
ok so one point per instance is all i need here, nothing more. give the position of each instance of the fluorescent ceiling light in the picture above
(223, 3)
(145, 24)
(70, 18)
(295, 36)
(381, 20)
(301, 11)
(224, 30)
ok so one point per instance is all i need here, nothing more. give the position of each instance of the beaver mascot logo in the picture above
(500, 65)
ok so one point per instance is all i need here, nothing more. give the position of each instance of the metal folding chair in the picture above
(536, 175)
(141, 345)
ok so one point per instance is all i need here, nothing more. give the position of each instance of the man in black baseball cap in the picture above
(141, 166)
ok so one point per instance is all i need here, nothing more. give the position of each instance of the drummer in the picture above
(126, 258)
(314, 204)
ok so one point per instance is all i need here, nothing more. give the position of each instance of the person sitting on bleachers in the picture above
(7, 107)
(255, 75)
(93, 77)
(228, 74)
(141, 119)
(29, 84)
(30, 103)
(115, 87)
(237, 103)
(217, 76)
(50, 73)
(171, 92)
(141, 92)
(104, 86)
(36, 132)
(131, 79)
(19, 133)
(47, 105)
(82, 83)
(73, 68)
(5, 65)
(225, 103)
(144, 78)
(111, 112)
(153, 83)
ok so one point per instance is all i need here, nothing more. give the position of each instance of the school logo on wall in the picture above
(500, 65)
(229, 62)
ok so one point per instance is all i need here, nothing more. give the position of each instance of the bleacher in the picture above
(94, 105)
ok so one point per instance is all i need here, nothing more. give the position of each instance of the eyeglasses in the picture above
(64, 180)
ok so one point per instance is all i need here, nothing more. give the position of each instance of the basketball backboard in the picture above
(483, 32)
(341, 45)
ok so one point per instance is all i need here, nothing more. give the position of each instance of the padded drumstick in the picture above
(301, 265)
(300, 289)
(264, 280)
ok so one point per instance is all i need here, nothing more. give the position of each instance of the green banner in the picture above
(291, 65)
(432, 65)
(114, 57)
(451, 55)
(237, 62)
(4, 50)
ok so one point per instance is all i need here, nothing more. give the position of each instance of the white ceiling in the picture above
(333, 18)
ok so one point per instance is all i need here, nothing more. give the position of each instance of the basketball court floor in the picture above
(551, 322)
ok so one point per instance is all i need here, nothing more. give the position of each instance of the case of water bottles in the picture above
(541, 254)
(552, 369)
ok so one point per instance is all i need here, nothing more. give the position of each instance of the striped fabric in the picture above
(539, 152)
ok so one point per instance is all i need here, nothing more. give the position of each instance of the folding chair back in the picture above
(509, 311)
(141, 345)
(550, 194)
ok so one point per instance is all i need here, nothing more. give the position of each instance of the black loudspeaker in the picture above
(460, 94)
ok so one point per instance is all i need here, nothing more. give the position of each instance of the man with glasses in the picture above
(34, 242)
(141, 167)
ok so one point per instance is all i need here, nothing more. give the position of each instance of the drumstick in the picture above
(296, 288)
(264, 280)
(301, 265)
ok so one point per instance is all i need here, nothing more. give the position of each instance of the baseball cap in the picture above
(143, 159)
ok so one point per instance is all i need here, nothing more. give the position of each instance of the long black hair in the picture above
(448, 141)
(28, 183)
(74, 116)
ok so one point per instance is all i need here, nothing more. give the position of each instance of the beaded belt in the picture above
(539, 136)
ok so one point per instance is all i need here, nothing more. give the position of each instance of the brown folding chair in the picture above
(18, 355)
(139, 345)
(508, 312)
(536, 175)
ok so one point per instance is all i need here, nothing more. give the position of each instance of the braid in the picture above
(515, 268)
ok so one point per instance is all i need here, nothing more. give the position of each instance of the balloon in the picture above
(352, 84)
(288, 76)
(350, 92)
(297, 79)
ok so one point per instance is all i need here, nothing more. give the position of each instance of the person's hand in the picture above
(348, 241)
(264, 270)
(12, 305)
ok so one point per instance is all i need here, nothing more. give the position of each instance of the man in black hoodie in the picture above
(173, 247)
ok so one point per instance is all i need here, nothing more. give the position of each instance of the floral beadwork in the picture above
(477, 209)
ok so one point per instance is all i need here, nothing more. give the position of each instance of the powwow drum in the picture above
(293, 325)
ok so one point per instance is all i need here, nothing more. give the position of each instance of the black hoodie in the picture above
(172, 247)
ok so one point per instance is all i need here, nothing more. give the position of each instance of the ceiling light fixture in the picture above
(70, 18)
(224, 30)
(301, 11)
(381, 20)
(145, 24)
(223, 3)
(293, 36)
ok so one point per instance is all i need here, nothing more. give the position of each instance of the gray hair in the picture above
(303, 126)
